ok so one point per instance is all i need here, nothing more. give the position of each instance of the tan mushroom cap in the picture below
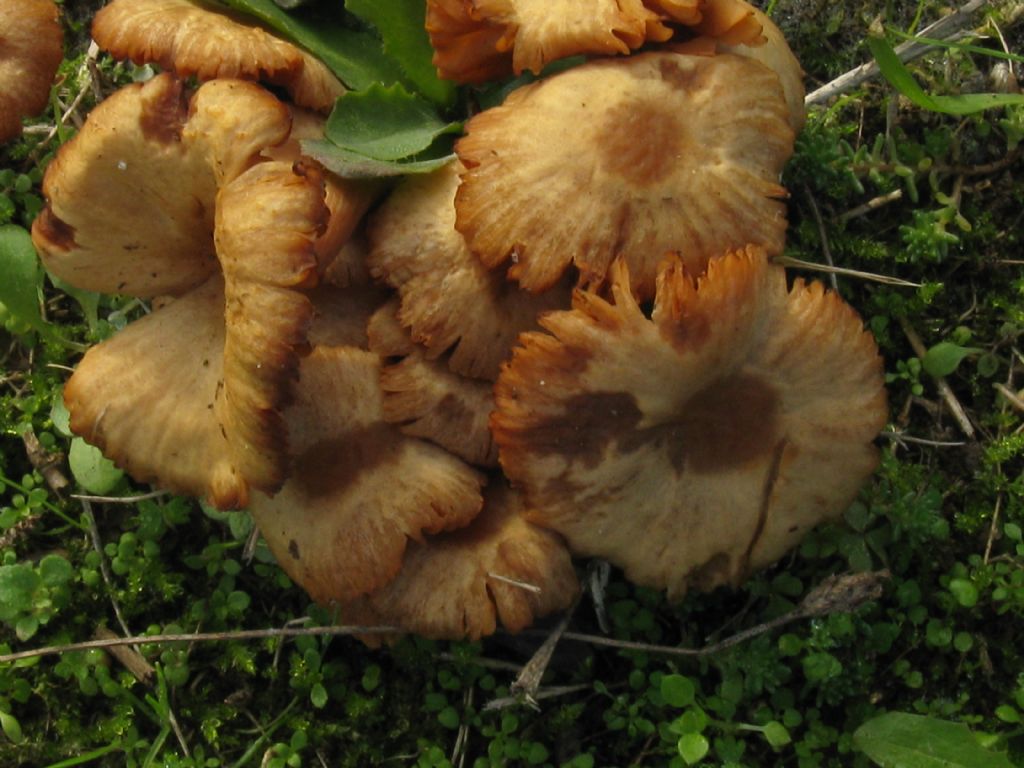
(130, 199)
(695, 446)
(669, 153)
(460, 585)
(774, 53)
(342, 314)
(190, 397)
(189, 39)
(348, 200)
(450, 301)
(426, 399)
(731, 22)
(31, 49)
(466, 47)
(541, 31)
(359, 490)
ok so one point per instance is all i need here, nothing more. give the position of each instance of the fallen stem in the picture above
(245, 634)
(789, 261)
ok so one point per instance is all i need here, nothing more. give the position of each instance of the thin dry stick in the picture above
(539, 695)
(789, 261)
(1011, 397)
(992, 529)
(871, 205)
(902, 438)
(823, 236)
(120, 499)
(957, 410)
(197, 637)
(97, 544)
(944, 28)
(528, 680)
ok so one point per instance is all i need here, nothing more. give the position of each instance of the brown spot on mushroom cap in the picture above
(704, 182)
(31, 49)
(190, 39)
(352, 506)
(449, 301)
(163, 117)
(462, 584)
(693, 456)
(141, 209)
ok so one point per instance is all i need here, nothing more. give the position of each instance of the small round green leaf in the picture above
(11, 727)
(692, 748)
(776, 734)
(677, 690)
(945, 357)
(964, 591)
(93, 471)
(318, 696)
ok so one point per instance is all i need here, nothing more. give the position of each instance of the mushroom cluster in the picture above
(532, 353)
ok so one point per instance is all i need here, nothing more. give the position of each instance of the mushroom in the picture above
(701, 443)
(426, 399)
(703, 179)
(450, 302)
(774, 52)
(466, 47)
(359, 490)
(31, 49)
(460, 585)
(159, 194)
(189, 39)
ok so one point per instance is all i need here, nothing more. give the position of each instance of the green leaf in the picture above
(385, 123)
(11, 727)
(776, 734)
(945, 357)
(351, 165)
(964, 591)
(318, 696)
(19, 288)
(902, 740)
(59, 415)
(87, 300)
(677, 690)
(93, 471)
(26, 627)
(402, 26)
(900, 78)
(55, 571)
(357, 58)
(18, 583)
(692, 748)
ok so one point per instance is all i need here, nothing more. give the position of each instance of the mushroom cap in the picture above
(459, 585)
(359, 489)
(347, 200)
(426, 399)
(31, 49)
(541, 31)
(716, 135)
(450, 301)
(704, 442)
(774, 52)
(189, 39)
(190, 397)
(341, 314)
(466, 47)
(732, 22)
(130, 199)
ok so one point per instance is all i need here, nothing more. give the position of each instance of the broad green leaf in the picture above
(385, 123)
(18, 583)
(776, 734)
(26, 627)
(357, 58)
(945, 357)
(677, 690)
(19, 265)
(902, 740)
(55, 571)
(692, 748)
(402, 26)
(900, 78)
(59, 415)
(351, 165)
(964, 591)
(93, 471)
(11, 727)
